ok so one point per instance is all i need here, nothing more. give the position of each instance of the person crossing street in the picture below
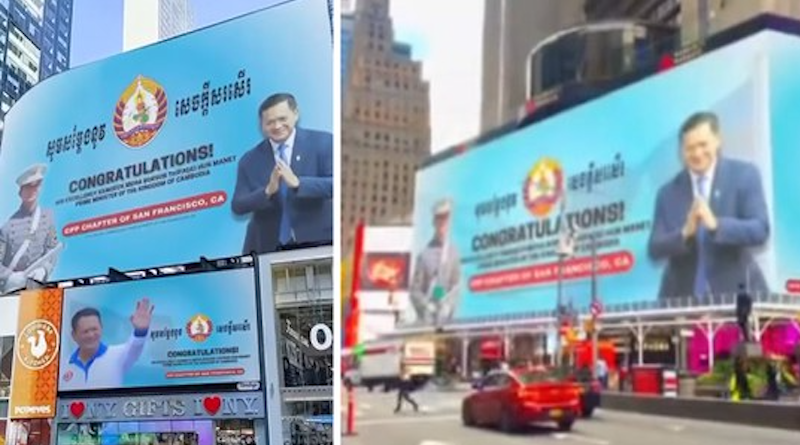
(407, 386)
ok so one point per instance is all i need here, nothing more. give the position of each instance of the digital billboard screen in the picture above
(214, 143)
(182, 330)
(671, 182)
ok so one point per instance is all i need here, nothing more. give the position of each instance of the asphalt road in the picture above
(439, 423)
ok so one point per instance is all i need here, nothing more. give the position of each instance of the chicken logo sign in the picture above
(37, 344)
(199, 328)
(140, 112)
(386, 273)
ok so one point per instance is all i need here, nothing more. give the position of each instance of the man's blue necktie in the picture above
(701, 280)
(285, 234)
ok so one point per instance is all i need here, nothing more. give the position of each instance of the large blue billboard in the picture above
(672, 181)
(182, 330)
(215, 143)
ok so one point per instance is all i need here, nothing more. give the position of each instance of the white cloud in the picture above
(447, 35)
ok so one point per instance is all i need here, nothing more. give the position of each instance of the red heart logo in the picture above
(77, 408)
(212, 404)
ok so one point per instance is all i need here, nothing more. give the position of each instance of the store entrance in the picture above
(175, 432)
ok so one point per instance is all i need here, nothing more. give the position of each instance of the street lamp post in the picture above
(595, 308)
(559, 308)
(565, 250)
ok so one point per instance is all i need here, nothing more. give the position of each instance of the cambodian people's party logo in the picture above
(543, 187)
(37, 344)
(140, 112)
(199, 328)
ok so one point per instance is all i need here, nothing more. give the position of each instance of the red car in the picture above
(510, 400)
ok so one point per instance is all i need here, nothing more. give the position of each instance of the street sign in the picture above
(248, 386)
(566, 244)
(596, 308)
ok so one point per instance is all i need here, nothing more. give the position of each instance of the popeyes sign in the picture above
(386, 271)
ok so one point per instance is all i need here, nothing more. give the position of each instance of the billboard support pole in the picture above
(595, 302)
(565, 250)
(559, 309)
(563, 245)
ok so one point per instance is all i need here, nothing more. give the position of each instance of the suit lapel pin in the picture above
(297, 158)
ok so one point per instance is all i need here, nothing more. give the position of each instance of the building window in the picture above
(323, 276)
(35, 8)
(6, 361)
(302, 365)
(303, 431)
(23, 55)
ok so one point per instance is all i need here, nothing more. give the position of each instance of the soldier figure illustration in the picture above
(437, 273)
(29, 245)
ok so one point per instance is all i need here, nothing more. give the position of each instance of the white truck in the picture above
(384, 361)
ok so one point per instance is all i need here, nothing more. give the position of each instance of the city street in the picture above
(439, 423)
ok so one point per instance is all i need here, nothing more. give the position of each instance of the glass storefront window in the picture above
(28, 432)
(166, 432)
(303, 292)
(236, 432)
(302, 283)
(308, 422)
(303, 365)
(323, 276)
(6, 360)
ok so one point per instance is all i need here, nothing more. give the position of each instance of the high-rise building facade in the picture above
(348, 26)
(148, 21)
(35, 40)
(347, 6)
(301, 284)
(511, 29)
(723, 14)
(653, 11)
(385, 123)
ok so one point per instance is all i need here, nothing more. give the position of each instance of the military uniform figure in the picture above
(434, 290)
(29, 243)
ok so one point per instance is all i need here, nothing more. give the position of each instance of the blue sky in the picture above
(97, 24)
(451, 53)
(449, 43)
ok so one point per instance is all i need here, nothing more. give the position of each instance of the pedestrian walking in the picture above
(405, 388)
(739, 384)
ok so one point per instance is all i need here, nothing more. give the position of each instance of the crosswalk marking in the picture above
(404, 419)
(584, 439)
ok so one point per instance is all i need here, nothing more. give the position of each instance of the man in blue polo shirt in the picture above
(95, 365)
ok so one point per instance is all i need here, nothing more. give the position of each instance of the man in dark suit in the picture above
(286, 181)
(708, 217)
